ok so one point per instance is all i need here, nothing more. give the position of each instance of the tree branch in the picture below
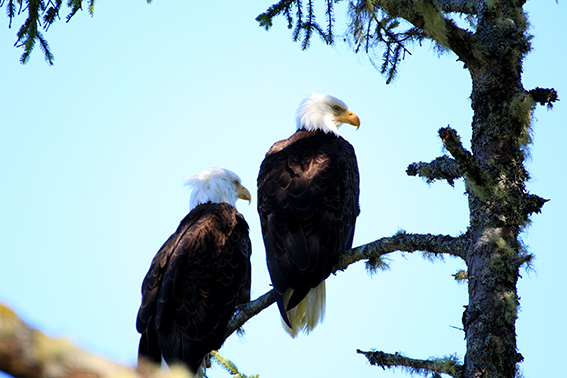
(533, 204)
(465, 159)
(28, 353)
(446, 365)
(402, 241)
(248, 310)
(429, 17)
(544, 96)
(442, 168)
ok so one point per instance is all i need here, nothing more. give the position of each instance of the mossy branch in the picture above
(533, 204)
(447, 365)
(372, 252)
(465, 159)
(28, 353)
(544, 96)
(404, 242)
(442, 168)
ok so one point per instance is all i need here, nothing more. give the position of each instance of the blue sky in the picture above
(94, 150)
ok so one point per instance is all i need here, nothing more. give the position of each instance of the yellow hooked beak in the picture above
(243, 193)
(349, 117)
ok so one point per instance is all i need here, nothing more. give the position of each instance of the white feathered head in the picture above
(324, 112)
(216, 185)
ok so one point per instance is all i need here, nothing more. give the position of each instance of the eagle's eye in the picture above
(336, 108)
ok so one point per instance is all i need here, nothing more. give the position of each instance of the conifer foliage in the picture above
(40, 15)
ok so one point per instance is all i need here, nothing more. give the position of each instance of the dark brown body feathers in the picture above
(308, 190)
(193, 285)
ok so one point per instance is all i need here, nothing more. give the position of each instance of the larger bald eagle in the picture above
(198, 276)
(308, 189)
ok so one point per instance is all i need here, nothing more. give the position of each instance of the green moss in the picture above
(376, 264)
(461, 276)
(449, 365)
(510, 302)
(432, 257)
(479, 191)
(521, 108)
(500, 189)
(505, 251)
(434, 22)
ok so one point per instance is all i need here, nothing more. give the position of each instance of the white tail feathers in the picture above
(308, 313)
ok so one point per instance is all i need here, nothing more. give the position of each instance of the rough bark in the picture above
(500, 126)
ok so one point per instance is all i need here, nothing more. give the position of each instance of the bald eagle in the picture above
(199, 275)
(308, 189)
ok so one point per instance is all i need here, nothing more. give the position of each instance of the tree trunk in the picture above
(497, 198)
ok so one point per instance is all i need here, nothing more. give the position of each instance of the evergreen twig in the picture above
(225, 362)
(41, 14)
(230, 366)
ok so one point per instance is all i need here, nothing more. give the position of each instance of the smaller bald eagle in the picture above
(308, 189)
(199, 275)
